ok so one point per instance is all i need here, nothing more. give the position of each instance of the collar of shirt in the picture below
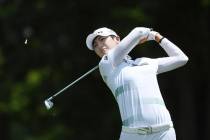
(129, 61)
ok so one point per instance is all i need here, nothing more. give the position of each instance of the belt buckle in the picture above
(146, 130)
(149, 130)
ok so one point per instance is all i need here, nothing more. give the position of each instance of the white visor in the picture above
(102, 32)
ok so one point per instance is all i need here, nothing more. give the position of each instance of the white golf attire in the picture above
(135, 88)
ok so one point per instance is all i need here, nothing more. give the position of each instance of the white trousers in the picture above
(163, 135)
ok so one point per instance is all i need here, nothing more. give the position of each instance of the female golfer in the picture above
(134, 82)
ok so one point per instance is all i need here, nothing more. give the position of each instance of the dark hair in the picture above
(112, 36)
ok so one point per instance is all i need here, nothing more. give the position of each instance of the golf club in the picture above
(49, 104)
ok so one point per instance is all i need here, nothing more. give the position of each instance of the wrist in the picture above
(158, 38)
(161, 40)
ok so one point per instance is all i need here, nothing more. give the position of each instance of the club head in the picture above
(48, 104)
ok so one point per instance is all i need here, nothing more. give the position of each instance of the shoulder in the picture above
(105, 67)
(107, 61)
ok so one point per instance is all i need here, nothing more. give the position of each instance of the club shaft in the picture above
(71, 84)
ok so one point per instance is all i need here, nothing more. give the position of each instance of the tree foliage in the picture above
(56, 55)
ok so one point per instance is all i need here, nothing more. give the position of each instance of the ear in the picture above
(117, 38)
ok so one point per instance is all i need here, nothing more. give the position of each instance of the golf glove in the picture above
(151, 35)
(144, 32)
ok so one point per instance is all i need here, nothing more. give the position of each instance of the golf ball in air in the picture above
(26, 41)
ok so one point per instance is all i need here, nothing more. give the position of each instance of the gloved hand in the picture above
(152, 35)
(143, 32)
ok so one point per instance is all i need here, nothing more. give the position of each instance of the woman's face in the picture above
(102, 44)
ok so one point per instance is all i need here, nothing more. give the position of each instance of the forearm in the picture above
(127, 44)
(176, 57)
(171, 49)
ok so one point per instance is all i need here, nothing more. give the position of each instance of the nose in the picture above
(101, 45)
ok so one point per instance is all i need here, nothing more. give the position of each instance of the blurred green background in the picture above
(56, 54)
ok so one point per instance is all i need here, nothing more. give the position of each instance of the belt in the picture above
(148, 129)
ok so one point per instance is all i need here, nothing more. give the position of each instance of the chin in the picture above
(105, 51)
